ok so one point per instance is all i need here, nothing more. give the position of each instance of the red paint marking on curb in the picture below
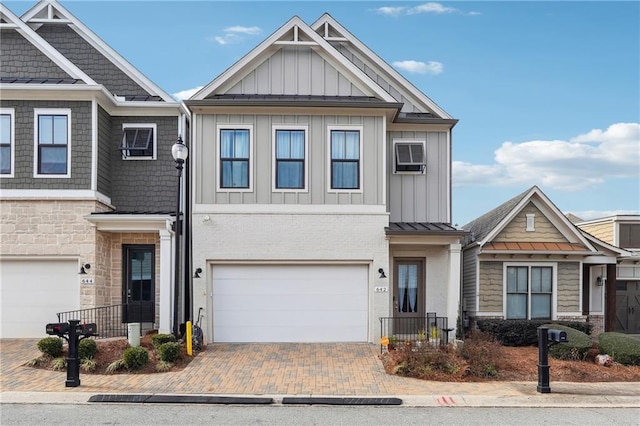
(443, 400)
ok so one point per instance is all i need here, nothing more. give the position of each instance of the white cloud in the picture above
(431, 67)
(582, 162)
(186, 94)
(430, 7)
(235, 34)
(390, 11)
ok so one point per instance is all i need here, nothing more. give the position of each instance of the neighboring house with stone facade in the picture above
(87, 178)
(526, 260)
(321, 195)
(621, 231)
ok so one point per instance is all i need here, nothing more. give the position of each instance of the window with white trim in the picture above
(290, 158)
(529, 293)
(345, 146)
(409, 156)
(234, 154)
(138, 141)
(52, 142)
(7, 142)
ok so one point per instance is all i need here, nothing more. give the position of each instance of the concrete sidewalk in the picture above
(279, 370)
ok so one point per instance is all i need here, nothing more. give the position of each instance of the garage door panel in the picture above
(33, 291)
(290, 303)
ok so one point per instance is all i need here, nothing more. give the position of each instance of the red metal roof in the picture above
(533, 246)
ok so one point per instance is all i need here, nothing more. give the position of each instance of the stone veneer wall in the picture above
(33, 228)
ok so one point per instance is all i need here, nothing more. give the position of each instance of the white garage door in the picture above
(287, 303)
(33, 291)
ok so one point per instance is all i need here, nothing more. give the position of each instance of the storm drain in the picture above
(341, 401)
(179, 399)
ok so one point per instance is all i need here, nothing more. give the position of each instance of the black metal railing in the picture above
(431, 328)
(107, 318)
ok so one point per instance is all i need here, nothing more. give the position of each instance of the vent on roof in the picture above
(409, 157)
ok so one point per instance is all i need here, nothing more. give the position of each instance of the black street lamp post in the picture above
(179, 151)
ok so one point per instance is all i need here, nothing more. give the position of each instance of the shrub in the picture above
(160, 339)
(424, 362)
(163, 366)
(50, 346)
(87, 349)
(483, 354)
(169, 352)
(59, 364)
(575, 348)
(88, 364)
(115, 366)
(135, 358)
(523, 332)
(622, 348)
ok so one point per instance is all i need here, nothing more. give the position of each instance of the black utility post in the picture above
(543, 360)
(72, 332)
(546, 338)
(73, 365)
(179, 151)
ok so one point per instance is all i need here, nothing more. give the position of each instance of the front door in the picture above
(138, 285)
(408, 296)
(628, 306)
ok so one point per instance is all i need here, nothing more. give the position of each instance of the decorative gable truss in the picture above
(298, 42)
(52, 13)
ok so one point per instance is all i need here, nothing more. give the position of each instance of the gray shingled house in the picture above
(88, 180)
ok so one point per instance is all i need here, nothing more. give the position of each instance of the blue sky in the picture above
(547, 93)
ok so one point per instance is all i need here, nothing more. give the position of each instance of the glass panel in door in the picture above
(408, 297)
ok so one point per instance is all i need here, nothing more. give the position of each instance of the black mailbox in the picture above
(88, 329)
(557, 336)
(57, 328)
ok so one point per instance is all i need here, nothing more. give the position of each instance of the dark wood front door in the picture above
(138, 284)
(628, 306)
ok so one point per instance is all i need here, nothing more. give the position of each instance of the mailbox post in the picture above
(72, 332)
(546, 338)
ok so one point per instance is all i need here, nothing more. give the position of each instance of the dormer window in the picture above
(138, 141)
(409, 156)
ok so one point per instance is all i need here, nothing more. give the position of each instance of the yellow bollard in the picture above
(189, 339)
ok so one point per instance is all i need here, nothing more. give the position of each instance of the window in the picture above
(6, 142)
(345, 147)
(52, 140)
(629, 235)
(138, 141)
(409, 156)
(529, 292)
(290, 157)
(235, 158)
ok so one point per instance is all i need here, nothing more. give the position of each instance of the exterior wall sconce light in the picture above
(382, 274)
(198, 272)
(600, 281)
(83, 269)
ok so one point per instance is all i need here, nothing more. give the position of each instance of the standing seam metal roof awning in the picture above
(423, 228)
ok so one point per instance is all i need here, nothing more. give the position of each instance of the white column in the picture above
(453, 298)
(166, 295)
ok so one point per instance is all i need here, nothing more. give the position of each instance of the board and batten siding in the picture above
(295, 70)
(207, 170)
(491, 287)
(568, 287)
(544, 229)
(418, 197)
(469, 284)
(370, 69)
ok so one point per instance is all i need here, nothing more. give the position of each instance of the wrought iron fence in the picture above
(430, 328)
(107, 318)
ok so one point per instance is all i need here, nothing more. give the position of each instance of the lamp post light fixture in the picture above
(180, 152)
